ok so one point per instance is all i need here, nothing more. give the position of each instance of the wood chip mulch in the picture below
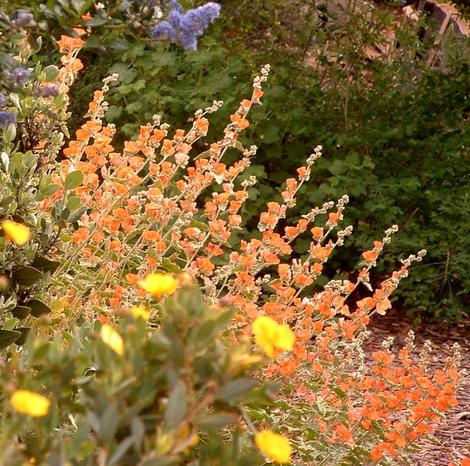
(452, 437)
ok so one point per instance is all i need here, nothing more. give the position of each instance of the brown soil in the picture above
(452, 437)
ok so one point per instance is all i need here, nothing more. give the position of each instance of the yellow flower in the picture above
(274, 446)
(31, 403)
(270, 335)
(16, 232)
(112, 338)
(140, 312)
(159, 284)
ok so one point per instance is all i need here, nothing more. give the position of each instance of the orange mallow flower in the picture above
(370, 256)
(69, 44)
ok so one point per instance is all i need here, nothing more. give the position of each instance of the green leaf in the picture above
(24, 332)
(73, 179)
(204, 333)
(121, 450)
(74, 216)
(51, 72)
(108, 424)
(21, 312)
(47, 191)
(27, 276)
(216, 421)
(113, 113)
(96, 21)
(44, 264)
(170, 266)
(9, 133)
(238, 145)
(162, 461)
(176, 407)
(7, 337)
(236, 389)
(73, 203)
(38, 308)
(196, 224)
(339, 392)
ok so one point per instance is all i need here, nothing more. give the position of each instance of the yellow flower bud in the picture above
(16, 232)
(270, 335)
(274, 446)
(159, 284)
(30, 403)
(140, 312)
(112, 338)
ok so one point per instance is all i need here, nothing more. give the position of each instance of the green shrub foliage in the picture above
(165, 401)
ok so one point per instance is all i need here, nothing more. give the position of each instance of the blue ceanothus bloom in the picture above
(17, 76)
(7, 119)
(184, 28)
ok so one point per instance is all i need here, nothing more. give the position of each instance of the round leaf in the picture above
(73, 179)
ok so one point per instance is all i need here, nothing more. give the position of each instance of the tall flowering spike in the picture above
(274, 446)
(270, 335)
(31, 403)
(112, 338)
(159, 284)
(16, 232)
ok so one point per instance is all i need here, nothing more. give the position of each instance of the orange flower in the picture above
(383, 357)
(151, 235)
(333, 217)
(370, 256)
(396, 438)
(202, 124)
(317, 267)
(241, 122)
(344, 433)
(317, 232)
(69, 44)
(321, 253)
(257, 94)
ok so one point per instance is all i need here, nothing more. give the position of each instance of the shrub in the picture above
(35, 98)
(173, 391)
(155, 396)
(159, 208)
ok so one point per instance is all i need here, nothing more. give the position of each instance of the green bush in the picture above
(38, 107)
(164, 401)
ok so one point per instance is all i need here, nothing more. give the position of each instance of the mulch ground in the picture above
(452, 437)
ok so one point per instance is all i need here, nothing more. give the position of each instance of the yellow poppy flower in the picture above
(30, 403)
(18, 233)
(159, 284)
(112, 338)
(140, 312)
(274, 446)
(270, 335)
